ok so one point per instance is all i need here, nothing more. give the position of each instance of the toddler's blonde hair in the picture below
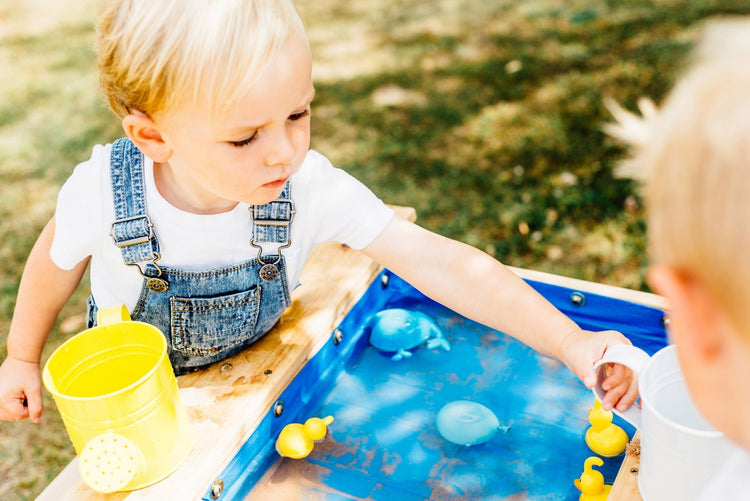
(694, 154)
(155, 55)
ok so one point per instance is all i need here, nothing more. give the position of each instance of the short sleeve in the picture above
(78, 215)
(346, 210)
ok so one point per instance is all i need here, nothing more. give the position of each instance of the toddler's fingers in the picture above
(614, 394)
(621, 387)
(35, 407)
(628, 398)
(13, 410)
(588, 377)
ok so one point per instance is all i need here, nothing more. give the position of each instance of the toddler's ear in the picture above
(142, 130)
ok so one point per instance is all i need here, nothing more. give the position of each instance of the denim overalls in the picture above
(205, 315)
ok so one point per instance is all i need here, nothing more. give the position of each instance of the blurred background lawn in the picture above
(484, 115)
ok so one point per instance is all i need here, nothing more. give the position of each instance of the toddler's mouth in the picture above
(276, 184)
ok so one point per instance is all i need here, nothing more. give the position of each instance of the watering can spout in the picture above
(109, 462)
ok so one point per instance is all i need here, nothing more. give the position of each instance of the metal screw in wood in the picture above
(217, 488)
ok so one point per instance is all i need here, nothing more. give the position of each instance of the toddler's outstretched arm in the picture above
(479, 287)
(43, 291)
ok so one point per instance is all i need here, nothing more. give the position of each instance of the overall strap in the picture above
(271, 221)
(132, 230)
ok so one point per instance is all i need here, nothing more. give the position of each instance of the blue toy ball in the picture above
(465, 422)
(399, 330)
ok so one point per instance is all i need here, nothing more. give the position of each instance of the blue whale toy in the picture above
(399, 330)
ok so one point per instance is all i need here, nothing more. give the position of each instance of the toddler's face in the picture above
(246, 153)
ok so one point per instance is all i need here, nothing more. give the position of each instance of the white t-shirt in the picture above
(731, 482)
(330, 206)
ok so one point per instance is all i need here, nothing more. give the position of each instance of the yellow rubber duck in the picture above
(297, 441)
(603, 437)
(591, 483)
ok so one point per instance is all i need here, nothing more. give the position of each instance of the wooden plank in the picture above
(634, 296)
(625, 487)
(227, 400)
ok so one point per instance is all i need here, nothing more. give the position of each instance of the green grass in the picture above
(484, 115)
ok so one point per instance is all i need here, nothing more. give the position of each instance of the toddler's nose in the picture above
(281, 151)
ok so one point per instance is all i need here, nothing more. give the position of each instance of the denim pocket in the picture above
(202, 326)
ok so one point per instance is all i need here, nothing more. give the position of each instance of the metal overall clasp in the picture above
(270, 270)
(155, 284)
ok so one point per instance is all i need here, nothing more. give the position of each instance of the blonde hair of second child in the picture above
(693, 153)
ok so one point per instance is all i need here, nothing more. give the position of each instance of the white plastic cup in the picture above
(680, 451)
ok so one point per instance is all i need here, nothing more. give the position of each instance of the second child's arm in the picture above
(43, 291)
(479, 287)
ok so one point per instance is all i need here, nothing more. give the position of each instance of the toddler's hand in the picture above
(20, 390)
(582, 349)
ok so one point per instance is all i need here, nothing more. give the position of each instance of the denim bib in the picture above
(205, 315)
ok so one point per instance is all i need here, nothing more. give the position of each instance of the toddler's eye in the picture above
(301, 114)
(244, 142)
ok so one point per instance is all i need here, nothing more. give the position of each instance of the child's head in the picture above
(216, 93)
(158, 54)
(695, 156)
(698, 189)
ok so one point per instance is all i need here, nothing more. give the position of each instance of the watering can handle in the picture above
(113, 315)
(632, 358)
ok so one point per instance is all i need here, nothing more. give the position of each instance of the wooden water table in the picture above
(229, 400)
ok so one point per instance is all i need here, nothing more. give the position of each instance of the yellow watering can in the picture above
(118, 398)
